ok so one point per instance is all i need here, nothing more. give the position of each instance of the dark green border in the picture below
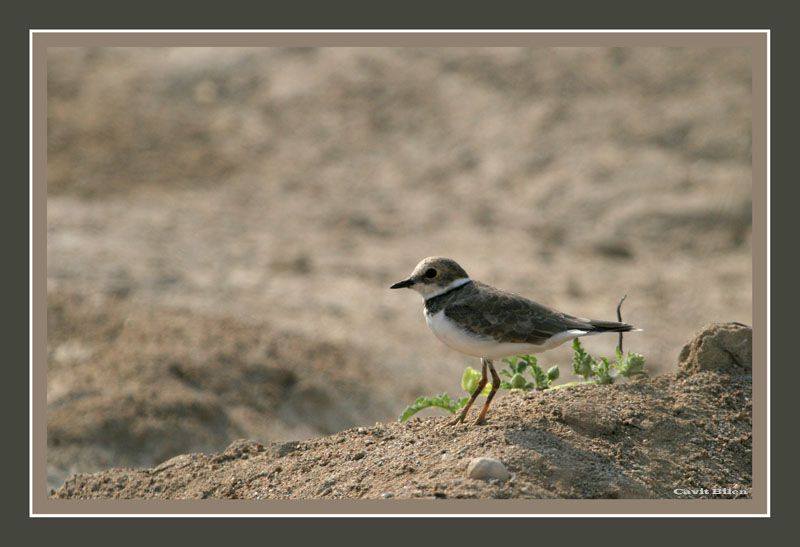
(402, 15)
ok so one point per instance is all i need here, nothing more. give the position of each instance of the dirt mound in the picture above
(642, 439)
(128, 385)
(719, 346)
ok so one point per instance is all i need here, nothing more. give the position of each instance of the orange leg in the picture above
(495, 386)
(460, 418)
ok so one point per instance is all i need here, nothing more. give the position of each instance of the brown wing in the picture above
(508, 317)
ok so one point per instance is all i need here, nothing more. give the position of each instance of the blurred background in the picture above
(223, 224)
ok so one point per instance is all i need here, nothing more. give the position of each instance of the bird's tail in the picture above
(611, 326)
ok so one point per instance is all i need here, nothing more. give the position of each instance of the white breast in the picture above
(460, 340)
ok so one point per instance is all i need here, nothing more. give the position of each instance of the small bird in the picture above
(482, 321)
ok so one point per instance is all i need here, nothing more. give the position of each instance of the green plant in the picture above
(439, 401)
(602, 371)
(581, 361)
(591, 369)
(470, 380)
(518, 365)
(631, 364)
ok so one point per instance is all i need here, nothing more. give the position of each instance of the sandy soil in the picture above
(690, 429)
(206, 205)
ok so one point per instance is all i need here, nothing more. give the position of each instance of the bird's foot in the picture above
(480, 421)
(457, 420)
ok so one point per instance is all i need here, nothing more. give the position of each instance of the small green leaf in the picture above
(510, 361)
(470, 380)
(581, 361)
(553, 373)
(540, 379)
(518, 381)
(602, 371)
(632, 364)
(439, 401)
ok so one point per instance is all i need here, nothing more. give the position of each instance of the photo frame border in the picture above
(757, 40)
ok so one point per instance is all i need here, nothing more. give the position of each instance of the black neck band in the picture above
(448, 291)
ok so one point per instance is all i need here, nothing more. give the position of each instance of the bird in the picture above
(482, 321)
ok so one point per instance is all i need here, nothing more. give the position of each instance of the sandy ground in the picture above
(644, 439)
(275, 194)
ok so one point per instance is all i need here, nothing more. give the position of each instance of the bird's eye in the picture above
(431, 273)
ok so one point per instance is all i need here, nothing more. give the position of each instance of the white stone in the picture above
(486, 469)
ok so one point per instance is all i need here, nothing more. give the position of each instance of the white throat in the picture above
(449, 287)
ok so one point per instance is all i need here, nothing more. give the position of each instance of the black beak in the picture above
(403, 284)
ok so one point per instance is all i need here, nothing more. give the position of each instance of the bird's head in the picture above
(433, 276)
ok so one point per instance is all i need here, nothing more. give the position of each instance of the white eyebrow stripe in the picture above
(453, 285)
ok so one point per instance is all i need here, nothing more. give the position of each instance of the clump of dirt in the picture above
(719, 346)
(641, 439)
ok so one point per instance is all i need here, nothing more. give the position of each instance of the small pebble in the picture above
(487, 469)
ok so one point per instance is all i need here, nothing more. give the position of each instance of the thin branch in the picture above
(619, 318)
